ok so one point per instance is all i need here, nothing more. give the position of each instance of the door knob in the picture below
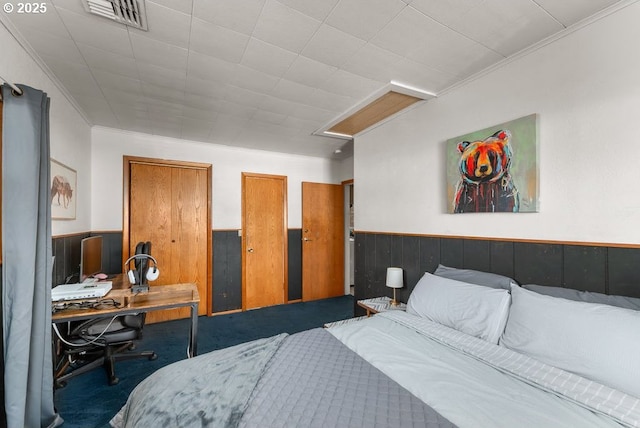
(250, 250)
(307, 239)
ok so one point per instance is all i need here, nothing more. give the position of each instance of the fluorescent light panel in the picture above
(378, 107)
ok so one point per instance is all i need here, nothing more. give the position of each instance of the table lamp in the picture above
(394, 280)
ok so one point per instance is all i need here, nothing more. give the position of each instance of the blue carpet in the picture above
(88, 401)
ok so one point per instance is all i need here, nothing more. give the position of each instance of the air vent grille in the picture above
(128, 12)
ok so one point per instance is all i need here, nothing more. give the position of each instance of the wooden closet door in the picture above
(322, 241)
(264, 240)
(170, 205)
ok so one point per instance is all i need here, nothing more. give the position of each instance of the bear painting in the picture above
(485, 184)
(486, 173)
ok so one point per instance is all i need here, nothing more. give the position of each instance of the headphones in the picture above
(142, 273)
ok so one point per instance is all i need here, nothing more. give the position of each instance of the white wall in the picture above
(586, 91)
(70, 133)
(109, 145)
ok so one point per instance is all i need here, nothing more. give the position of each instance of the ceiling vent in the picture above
(127, 12)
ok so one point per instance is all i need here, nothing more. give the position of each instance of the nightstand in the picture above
(380, 304)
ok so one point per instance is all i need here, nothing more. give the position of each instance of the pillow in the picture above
(469, 308)
(477, 277)
(599, 342)
(586, 296)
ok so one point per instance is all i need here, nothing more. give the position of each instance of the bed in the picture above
(472, 350)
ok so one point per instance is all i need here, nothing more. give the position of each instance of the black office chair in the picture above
(100, 342)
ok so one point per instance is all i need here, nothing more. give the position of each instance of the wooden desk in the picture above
(157, 298)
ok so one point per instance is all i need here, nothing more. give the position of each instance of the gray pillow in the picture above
(477, 277)
(595, 341)
(586, 296)
(472, 309)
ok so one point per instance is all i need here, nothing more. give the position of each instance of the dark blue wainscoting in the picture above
(604, 269)
(226, 262)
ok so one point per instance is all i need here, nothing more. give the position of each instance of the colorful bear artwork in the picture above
(486, 184)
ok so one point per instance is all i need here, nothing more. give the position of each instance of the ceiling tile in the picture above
(108, 80)
(202, 103)
(447, 50)
(293, 35)
(103, 60)
(207, 88)
(269, 117)
(75, 77)
(292, 91)
(62, 47)
(279, 105)
(237, 15)
(373, 63)
(49, 21)
(568, 12)
(521, 22)
(199, 113)
(166, 25)
(313, 8)
(217, 41)
(267, 58)
(244, 96)
(70, 5)
(209, 68)
(309, 72)
(364, 18)
(195, 129)
(159, 53)
(184, 6)
(161, 76)
(234, 109)
(172, 95)
(343, 82)
(332, 46)
(418, 75)
(249, 78)
(328, 101)
(98, 32)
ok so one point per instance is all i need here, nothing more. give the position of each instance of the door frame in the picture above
(348, 186)
(244, 176)
(127, 161)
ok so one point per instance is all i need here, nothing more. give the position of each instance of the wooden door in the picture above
(169, 204)
(264, 240)
(322, 241)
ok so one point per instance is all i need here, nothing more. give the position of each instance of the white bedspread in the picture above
(477, 384)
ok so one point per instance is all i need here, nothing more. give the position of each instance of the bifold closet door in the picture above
(264, 240)
(169, 205)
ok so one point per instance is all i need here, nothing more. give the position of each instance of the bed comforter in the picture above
(391, 370)
(309, 379)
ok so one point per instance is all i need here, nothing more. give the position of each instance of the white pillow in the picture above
(473, 309)
(596, 341)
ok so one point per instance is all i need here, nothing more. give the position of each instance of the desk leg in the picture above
(193, 334)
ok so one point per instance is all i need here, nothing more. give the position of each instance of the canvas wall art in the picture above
(494, 169)
(63, 191)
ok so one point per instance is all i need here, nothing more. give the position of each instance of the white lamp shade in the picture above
(394, 277)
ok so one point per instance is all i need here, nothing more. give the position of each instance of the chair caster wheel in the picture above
(113, 381)
(153, 357)
(61, 384)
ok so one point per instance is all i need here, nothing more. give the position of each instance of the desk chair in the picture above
(101, 342)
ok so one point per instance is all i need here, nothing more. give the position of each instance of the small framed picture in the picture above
(63, 191)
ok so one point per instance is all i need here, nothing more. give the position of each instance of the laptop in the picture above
(81, 290)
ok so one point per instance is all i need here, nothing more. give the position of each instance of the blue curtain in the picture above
(26, 259)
